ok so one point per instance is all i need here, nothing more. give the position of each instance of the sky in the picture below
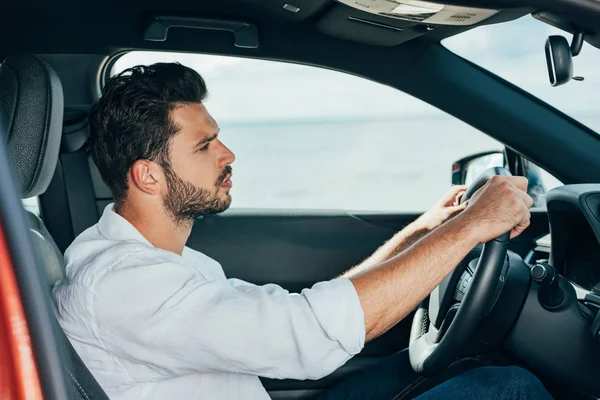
(513, 51)
(243, 90)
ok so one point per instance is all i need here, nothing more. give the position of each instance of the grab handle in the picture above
(245, 34)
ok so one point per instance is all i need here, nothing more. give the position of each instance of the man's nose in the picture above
(227, 158)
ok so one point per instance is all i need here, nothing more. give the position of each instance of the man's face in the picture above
(198, 177)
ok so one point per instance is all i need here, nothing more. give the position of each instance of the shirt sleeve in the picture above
(269, 288)
(172, 318)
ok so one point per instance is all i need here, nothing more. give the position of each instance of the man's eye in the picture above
(205, 147)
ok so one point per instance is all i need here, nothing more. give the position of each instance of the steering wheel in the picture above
(435, 339)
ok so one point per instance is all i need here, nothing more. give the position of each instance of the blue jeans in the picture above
(394, 379)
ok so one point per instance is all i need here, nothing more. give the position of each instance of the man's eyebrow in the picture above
(207, 139)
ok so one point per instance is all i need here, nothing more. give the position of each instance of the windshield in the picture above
(515, 51)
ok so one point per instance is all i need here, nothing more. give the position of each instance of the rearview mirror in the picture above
(559, 60)
(465, 170)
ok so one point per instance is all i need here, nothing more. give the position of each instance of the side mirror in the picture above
(465, 170)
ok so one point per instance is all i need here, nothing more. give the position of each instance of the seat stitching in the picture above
(78, 385)
(47, 124)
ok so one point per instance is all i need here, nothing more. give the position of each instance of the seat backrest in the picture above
(31, 109)
(51, 256)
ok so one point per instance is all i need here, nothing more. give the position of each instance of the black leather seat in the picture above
(31, 108)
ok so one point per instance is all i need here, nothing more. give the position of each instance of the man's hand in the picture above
(447, 207)
(443, 210)
(502, 204)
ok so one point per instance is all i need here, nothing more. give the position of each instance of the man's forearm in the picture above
(391, 290)
(396, 245)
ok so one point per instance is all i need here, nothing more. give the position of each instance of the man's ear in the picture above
(146, 176)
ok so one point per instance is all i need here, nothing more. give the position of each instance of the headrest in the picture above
(31, 112)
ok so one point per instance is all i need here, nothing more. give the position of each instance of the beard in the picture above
(186, 202)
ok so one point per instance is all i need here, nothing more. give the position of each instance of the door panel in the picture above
(292, 249)
(296, 249)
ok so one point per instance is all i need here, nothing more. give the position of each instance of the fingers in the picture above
(525, 198)
(526, 215)
(458, 188)
(527, 202)
(459, 207)
(453, 210)
(507, 198)
(453, 191)
(519, 181)
(524, 224)
(452, 197)
(457, 198)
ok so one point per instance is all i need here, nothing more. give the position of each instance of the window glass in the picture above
(312, 138)
(515, 51)
(540, 181)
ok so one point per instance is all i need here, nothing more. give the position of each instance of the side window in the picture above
(540, 181)
(312, 138)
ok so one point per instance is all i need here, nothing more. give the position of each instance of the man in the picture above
(154, 319)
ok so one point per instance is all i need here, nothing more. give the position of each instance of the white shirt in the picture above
(150, 324)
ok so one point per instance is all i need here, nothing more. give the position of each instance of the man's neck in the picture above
(157, 226)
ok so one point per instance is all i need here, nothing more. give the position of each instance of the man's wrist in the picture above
(423, 223)
(466, 228)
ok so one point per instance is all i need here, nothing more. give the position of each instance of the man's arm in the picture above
(213, 325)
(392, 289)
(444, 209)
(396, 245)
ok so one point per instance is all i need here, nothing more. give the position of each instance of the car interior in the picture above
(532, 301)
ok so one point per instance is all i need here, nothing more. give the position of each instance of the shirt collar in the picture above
(114, 227)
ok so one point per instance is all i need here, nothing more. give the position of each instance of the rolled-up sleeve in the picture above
(175, 320)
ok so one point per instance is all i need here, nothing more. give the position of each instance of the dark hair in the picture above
(131, 120)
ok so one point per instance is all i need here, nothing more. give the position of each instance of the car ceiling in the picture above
(106, 27)
(103, 27)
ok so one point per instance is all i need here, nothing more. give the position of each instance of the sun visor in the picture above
(423, 12)
(356, 25)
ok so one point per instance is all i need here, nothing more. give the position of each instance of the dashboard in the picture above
(562, 340)
(581, 263)
(574, 215)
